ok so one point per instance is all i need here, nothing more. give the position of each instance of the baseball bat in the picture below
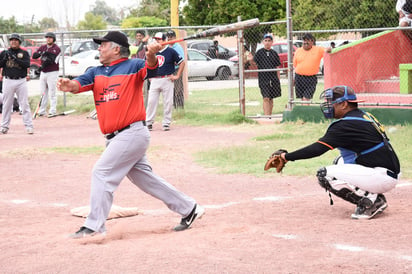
(62, 113)
(218, 30)
(38, 107)
(5, 41)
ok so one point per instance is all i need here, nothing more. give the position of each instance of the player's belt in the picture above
(163, 76)
(14, 78)
(392, 174)
(111, 135)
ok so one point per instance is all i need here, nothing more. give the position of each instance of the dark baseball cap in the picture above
(268, 36)
(171, 33)
(113, 36)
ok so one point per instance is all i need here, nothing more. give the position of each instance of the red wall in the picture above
(364, 65)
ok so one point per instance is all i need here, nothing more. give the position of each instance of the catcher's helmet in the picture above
(16, 36)
(52, 35)
(336, 95)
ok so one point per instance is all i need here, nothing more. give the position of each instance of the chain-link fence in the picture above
(369, 52)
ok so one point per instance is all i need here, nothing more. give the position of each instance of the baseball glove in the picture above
(275, 161)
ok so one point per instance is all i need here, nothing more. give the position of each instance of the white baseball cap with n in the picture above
(159, 35)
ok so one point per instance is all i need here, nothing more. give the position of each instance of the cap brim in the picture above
(99, 40)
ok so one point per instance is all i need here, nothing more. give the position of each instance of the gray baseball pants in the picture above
(125, 155)
(157, 86)
(48, 81)
(18, 87)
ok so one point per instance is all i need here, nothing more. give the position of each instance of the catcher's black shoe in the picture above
(83, 232)
(186, 222)
(368, 212)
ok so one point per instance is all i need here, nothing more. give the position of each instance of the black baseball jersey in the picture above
(15, 63)
(358, 134)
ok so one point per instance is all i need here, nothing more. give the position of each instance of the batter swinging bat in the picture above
(218, 30)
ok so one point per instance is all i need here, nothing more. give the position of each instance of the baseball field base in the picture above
(387, 116)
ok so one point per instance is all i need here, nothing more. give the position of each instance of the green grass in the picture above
(219, 108)
(82, 103)
(251, 157)
(76, 150)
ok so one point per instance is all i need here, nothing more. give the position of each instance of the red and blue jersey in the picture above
(118, 92)
(167, 58)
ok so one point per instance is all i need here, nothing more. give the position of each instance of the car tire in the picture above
(33, 72)
(210, 78)
(223, 73)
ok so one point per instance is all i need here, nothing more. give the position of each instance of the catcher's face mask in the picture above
(327, 106)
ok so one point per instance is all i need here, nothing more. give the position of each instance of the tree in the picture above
(144, 21)
(91, 22)
(48, 23)
(342, 14)
(109, 14)
(219, 12)
(153, 8)
(10, 25)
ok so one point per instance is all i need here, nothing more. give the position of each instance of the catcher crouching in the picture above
(367, 166)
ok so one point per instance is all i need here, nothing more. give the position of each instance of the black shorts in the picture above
(270, 89)
(305, 86)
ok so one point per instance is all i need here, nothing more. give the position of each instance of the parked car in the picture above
(281, 49)
(80, 46)
(79, 63)
(201, 65)
(203, 46)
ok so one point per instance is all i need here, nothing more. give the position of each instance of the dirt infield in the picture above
(275, 224)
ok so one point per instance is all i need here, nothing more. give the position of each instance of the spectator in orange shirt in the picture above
(306, 62)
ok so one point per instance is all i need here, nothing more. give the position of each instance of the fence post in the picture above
(241, 69)
(290, 52)
(62, 50)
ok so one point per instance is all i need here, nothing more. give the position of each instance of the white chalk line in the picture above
(352, 248)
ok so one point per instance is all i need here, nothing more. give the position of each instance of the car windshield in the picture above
(84, 54)
(201, 46)
(195, 56)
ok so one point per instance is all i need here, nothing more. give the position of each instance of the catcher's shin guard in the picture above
(344, 193)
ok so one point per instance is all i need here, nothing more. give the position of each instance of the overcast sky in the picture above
(61, 10)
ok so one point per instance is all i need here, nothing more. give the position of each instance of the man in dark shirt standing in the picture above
(266, 58)
(15, 63)
(48, 54)
(370, 165)
(213, 50)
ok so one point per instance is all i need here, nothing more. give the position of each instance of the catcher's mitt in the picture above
(275, 161)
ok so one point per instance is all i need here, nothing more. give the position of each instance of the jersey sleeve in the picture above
(151, 71)
(86, 80)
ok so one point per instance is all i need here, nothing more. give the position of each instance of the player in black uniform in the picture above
(368, 165)
(15, 63)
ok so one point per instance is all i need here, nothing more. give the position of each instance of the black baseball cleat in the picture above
(369, 211)
(186, 222)
(83, 232)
